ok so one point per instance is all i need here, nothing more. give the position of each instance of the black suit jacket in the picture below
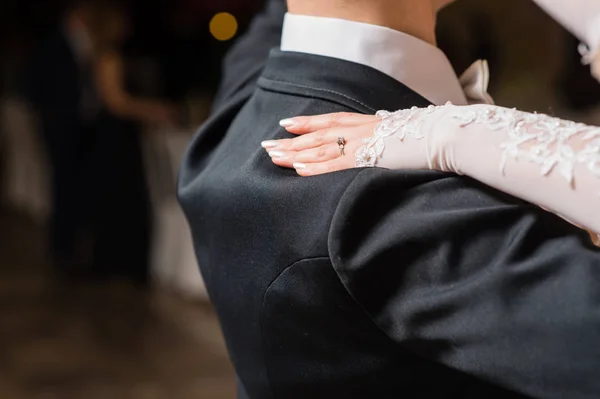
(371, 283)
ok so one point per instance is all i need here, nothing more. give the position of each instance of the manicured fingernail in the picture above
(298, 165)
(286, 122)
(275, 154)
(269, 144)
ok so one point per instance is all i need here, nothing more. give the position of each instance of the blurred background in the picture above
(100, 295)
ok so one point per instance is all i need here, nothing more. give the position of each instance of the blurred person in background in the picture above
(60, 86)
(90, 124)
(122, 209)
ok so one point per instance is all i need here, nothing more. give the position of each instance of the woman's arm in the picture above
(544, 160)
(547, 161)
(109, 78)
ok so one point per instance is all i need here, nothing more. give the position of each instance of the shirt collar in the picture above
(417, 64)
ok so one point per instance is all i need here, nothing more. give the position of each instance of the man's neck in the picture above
(414, 17)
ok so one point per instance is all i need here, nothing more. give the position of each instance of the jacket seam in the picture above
(262, 304)
(345, 96)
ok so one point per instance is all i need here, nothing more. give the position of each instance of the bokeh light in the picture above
(223, 26)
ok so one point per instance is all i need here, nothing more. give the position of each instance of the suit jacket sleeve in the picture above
(245, 61)
(473, 279)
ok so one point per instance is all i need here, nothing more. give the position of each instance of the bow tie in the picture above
(475, 81)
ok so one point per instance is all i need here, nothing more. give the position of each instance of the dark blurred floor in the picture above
(93, 341)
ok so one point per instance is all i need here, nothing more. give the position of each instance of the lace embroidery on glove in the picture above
(538, 138)
(402, 123)
(541, 139)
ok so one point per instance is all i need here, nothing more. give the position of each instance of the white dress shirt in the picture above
(417, 64)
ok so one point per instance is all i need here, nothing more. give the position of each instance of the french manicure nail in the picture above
(275, 154)
(286, 122)
(298, 165)
(269, 144)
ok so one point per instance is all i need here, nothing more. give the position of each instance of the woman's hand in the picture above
(316, 150)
